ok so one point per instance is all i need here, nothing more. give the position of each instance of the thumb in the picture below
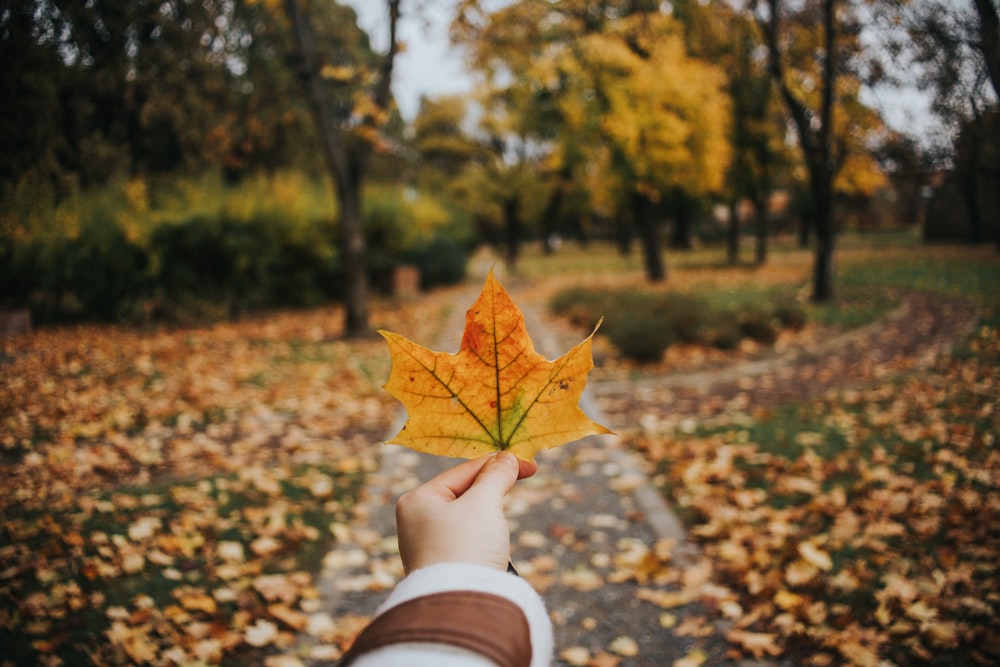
(496, 477)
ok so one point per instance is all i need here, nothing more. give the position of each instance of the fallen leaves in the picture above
(167, 493)
(861, 528)
(624, 646)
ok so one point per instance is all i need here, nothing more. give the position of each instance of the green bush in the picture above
(99, 274)
(245, 265)
(404, 228)
(171, 249)
(643, 336)
(724, 334)
(790, 316)
(442, 261)
(642, 325)
(759, 325)
(582, 307)
(105, 272)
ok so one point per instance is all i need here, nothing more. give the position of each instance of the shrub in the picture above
(758, 325)
(725, 334)
(582, 307)
(99, 274)
(406, 228)
(790, 316)
(136, 248)
(105, 272)
(642, 336)
(442, 261)
(246, 265)
(642, 325)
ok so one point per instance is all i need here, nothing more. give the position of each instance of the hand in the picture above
(457, 517)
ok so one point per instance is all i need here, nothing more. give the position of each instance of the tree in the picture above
(348, 137)
(624, 106)
(988, 43)
(442, 146)
(957, 50)
(118, 87)
(715, 31)
(512, 161)
(113, 86)
(808, 88)
(517, 123)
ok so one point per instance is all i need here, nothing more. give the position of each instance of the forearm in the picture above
(488, 613)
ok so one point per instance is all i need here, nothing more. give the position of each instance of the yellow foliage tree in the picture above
(613, 96)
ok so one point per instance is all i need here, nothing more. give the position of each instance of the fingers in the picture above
(496, 476)
(526, 468)
(456, 480)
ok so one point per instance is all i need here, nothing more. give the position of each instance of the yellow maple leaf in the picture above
(496, 393)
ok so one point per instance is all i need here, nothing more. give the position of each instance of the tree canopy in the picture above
(101, 88)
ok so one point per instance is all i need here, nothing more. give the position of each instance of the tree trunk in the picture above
(989, 32)
(968, 170)
(623, 237)
(969, 186)
(353, 252)
(345, 161)
(550, 217)
(733, 234)
(823, 278)
(814, 140)
(512, 226)
(822, 217)
(760, 200)
(682, 209)
(760, 232)
(643, 213)
(805, 229)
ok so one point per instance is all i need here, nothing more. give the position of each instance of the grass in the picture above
(596, 281)
(956, 271)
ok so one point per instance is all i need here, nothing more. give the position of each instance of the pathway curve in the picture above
(622, 585)
(911, 337)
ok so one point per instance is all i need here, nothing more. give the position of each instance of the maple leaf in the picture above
(496, 393)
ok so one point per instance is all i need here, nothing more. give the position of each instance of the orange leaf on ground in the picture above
(496, 393)
(756, 643)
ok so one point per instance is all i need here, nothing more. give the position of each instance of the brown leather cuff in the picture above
(487, 624)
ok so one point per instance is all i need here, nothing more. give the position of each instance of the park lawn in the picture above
(707, 313)
(169, 494)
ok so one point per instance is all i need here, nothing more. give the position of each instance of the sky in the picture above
(430, 65)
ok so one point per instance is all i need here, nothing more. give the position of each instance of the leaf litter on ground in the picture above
(168, 493)
(859, 528)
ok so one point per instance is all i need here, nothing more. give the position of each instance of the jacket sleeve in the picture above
(457, 615)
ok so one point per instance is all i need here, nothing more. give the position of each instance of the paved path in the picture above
(587, 531)
(622, 585)
(911, 337)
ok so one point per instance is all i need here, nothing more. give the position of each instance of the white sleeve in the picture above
(462, 577)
